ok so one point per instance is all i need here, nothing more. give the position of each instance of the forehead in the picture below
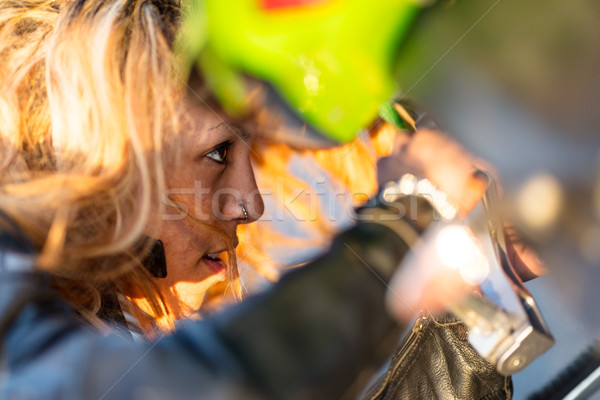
(227, 128)
(205, 127)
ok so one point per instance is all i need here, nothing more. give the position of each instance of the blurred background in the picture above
(517, 83)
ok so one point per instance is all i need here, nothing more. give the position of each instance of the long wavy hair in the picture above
(89, 101)
(89, 97)
(349, 170)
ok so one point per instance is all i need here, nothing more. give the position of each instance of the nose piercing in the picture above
(244, 211)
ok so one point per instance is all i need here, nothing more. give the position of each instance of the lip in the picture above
(215, 266)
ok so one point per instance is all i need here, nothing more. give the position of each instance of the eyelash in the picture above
(219, 153)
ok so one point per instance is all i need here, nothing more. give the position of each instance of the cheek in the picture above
(183, 248)
(178, 239)
(193, 191)
(204, 208)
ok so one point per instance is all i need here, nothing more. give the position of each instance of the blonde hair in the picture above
(351, 167)
(88, 99)
(89, 104)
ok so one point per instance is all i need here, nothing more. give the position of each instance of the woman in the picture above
(151, 168)
(105, 157)
(103, 153)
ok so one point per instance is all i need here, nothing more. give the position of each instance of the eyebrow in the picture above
(236, 130)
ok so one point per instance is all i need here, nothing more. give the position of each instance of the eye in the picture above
(219, 153)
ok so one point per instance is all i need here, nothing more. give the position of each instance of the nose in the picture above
(242, 202)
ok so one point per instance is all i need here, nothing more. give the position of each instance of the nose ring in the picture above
(244, 211)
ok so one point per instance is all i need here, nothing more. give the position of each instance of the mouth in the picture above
(215, 261)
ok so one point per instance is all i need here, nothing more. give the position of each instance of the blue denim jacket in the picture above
(307, 338)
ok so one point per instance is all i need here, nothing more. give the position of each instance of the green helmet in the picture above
(330, 60)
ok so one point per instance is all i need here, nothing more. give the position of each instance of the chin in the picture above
(188, 298)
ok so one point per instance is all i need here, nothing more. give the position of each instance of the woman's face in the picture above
(210, 180)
